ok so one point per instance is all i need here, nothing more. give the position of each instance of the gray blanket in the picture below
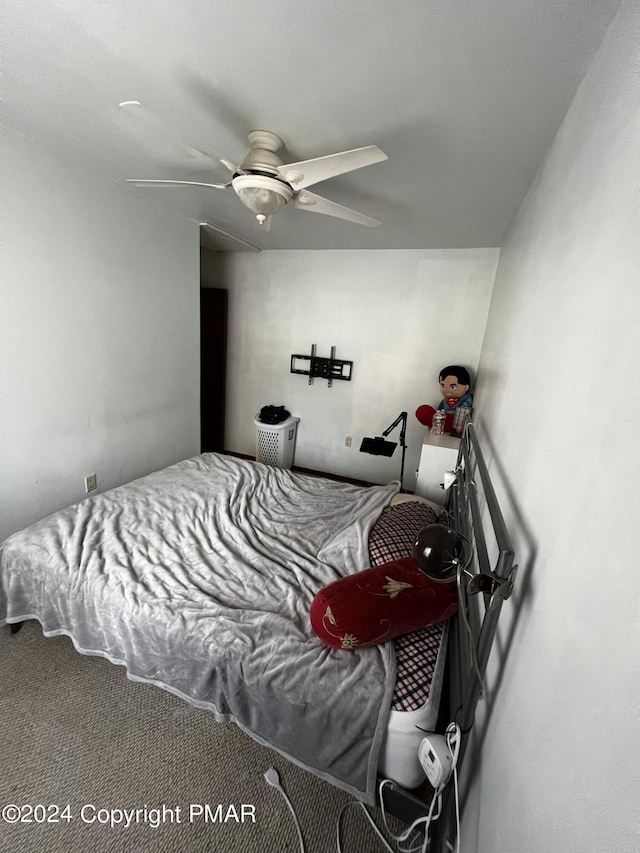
(199, 579)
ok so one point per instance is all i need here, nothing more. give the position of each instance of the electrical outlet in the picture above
(90, 483)
(347, 441)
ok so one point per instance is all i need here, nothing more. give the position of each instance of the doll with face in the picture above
(454, 387)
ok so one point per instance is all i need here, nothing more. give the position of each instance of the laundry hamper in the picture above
(275, 442)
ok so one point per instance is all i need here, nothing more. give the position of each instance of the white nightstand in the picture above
(439, 454)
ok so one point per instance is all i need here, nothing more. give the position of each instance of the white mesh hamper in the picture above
(275, 442)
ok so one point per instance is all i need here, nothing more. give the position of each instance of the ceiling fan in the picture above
(265, 184)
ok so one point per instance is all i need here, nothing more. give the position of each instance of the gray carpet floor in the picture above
(74, 730)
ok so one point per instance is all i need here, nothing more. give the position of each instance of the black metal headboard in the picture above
(476, 514)
(485, 579)
(483, 586)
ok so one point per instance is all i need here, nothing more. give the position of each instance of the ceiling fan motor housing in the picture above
(262, 155)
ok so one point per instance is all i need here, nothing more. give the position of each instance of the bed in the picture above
(199, 578)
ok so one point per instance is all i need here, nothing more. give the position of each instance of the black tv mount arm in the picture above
(322, 368)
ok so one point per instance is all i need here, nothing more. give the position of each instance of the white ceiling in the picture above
(464, 96)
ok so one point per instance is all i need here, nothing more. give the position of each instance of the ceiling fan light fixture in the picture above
(261, 194)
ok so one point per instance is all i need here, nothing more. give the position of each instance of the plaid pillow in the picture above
(416, 656)
(392, 537)
(393, 534)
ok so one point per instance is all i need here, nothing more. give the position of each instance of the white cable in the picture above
(407, 833)
(371, 821)
(455, 786)
(453, 735)
(420, 847)
(273, 779)
(462, 596)
(453, 738)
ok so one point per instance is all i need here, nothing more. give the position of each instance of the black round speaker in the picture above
(438, 550)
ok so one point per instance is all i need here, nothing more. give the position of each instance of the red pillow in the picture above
(425, 415)
(378, 604)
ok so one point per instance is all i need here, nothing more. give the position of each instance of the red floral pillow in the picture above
(378, 604)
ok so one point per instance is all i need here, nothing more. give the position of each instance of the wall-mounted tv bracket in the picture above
(323, 368)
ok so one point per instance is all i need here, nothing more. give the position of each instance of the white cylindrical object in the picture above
(275, 442)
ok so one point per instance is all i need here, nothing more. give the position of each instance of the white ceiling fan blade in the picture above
(163, 139)
(225, 234)
(229, 165)
(317, 204)
(308, 172)
(141, 182)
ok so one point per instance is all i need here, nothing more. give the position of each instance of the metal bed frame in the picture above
(483, 586)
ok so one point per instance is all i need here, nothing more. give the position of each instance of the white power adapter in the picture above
(436, 760)
(449, 479)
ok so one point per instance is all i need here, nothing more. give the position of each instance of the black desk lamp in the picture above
(379, 447)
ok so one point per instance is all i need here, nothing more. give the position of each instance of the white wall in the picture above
(400, 316)
(99, 347)
(559, 405)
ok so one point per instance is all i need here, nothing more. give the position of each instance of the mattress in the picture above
(420, 663)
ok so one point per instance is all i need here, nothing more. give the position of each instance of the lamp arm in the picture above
(403, 431)
(402, 418)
